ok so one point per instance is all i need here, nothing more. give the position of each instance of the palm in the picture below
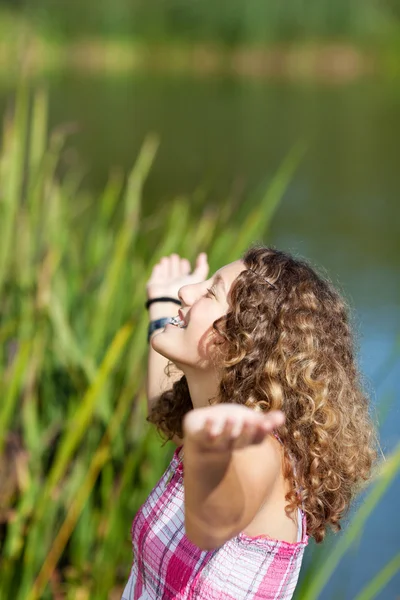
(228, 426)
(173, 272)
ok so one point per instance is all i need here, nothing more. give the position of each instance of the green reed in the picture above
(78, 454)
(73, 270)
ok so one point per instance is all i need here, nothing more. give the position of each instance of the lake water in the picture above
(342, 210)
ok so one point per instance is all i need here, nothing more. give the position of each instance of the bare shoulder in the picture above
(259, 468)
(268, 515)
(260, 465)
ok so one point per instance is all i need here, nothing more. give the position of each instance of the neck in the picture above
(202, 387)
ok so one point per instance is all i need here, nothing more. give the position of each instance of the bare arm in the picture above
(168, 276)
(157, 381)
(224, 489)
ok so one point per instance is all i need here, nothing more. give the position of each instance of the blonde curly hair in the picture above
(286, 343)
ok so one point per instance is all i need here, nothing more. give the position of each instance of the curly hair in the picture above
(286, 343)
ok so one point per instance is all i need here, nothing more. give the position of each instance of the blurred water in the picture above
(342, 210)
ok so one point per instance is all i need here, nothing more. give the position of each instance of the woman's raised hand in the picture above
(172, 272)
(226, 427)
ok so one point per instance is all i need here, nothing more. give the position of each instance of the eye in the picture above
(210, 292)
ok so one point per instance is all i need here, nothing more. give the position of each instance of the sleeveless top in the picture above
(168, 566)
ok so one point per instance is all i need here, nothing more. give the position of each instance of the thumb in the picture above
(202, 267)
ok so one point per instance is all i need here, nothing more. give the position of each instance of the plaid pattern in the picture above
(167, 565)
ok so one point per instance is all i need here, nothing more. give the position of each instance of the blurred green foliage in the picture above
(77, 456)
(229, 23)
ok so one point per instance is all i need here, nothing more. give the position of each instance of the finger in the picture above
(185, 266)
(220, 429)
(211, 428)
(215, 428)
(233, 431)
(248, 433)
(201, 268)
(174, 266)
(164, 267)
(236, 430)
(220, 435)
(273, 419)
(226, 430)
(156, 272)
(260, 434)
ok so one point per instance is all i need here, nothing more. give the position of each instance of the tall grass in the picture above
(78, 457)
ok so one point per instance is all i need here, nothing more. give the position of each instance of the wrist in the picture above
(156, 326)
(157, 310)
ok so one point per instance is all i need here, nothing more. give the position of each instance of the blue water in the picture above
(372, 291)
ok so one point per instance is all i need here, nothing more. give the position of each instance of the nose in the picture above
(182, 295)
(187, 294)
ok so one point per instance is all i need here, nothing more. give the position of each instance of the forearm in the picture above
(214, 495)
(157, 382)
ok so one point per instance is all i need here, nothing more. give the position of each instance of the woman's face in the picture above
(200, 308)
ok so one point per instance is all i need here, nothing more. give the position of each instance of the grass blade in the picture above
(376, 585)
(16, 377)
(388, 471)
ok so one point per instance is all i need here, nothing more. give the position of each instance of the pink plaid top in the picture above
(167, 565)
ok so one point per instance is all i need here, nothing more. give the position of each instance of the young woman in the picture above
(271, 424)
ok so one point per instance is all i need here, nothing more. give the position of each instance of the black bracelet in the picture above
(157, 324)
(162, 299)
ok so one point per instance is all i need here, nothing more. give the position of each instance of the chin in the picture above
(158, 345)
(165, 347)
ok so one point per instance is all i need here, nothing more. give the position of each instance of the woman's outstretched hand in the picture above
(172, 272)
(227, 427)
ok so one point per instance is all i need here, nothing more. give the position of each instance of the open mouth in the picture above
(178, 322)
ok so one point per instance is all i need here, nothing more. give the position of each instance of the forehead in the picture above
(230, 271)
